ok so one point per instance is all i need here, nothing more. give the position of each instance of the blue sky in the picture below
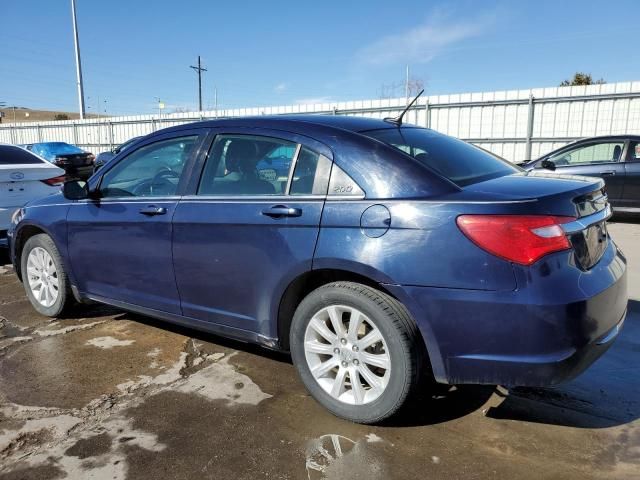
(275, 52)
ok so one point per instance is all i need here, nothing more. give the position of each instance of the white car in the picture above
(23, 177)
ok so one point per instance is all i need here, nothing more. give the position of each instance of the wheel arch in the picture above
(24, 233)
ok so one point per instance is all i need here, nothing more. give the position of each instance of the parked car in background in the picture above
(616, 159)
(104, 157)
(76, 162)
(385, 255)
(23, 177)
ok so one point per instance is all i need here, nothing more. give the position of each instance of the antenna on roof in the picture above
(398, 120)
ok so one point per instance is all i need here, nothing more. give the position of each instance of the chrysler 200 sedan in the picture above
(388, 255)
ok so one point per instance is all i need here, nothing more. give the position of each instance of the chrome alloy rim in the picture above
(347, 354)
(43, 277)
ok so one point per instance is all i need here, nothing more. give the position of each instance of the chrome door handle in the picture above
(608, 173)
(152, 210)
(279, 211)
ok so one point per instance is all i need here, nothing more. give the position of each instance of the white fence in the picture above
(516, 124)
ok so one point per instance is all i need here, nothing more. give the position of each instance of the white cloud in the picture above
(422, 43)
(325, 99)
(281, 87)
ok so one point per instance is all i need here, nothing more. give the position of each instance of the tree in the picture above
(582, 79)
(61, 116)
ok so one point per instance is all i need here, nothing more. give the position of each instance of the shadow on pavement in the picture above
(605, 395)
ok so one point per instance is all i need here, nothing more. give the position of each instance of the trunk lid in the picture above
(28, 172)
(544, 193)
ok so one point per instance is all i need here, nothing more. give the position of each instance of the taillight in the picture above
(54, 181)
(61, 161)
(91, 157)
(522, 239)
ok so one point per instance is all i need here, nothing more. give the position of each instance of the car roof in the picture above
(298, 122)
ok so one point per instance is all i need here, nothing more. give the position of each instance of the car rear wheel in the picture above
(44, 278)
(357, 351)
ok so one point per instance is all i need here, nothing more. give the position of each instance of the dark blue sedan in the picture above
(385, 254)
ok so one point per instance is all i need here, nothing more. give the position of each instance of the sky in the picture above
(261, 53)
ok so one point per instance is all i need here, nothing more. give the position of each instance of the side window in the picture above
(311, 175)
(150, 171)
(634, 152)
(596, 153)
(247, 165)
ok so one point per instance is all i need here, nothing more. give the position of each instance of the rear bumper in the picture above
(557, 322)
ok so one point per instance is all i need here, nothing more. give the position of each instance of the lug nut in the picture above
(336, 350)
(344, 364)
(343, 341)
(355, 348)
(356, 362)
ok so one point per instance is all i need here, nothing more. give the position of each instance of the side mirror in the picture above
(98, 165)
(548, 164)
(75, 190)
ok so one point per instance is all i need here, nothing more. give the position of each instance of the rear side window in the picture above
(10, 155)
(458, 161)
(311, 175)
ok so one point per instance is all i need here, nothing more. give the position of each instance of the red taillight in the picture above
(522, 239)
(60, 161)
(55, 181)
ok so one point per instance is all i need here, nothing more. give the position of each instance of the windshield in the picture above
(458, 161)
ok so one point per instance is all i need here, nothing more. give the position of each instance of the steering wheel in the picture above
(161, 179)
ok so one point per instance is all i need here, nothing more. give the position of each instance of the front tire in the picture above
(357, 351)
(43, 276)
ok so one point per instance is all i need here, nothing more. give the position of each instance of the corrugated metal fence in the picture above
(516, 124)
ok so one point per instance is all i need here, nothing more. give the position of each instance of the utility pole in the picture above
(78, 64)
(199, 69)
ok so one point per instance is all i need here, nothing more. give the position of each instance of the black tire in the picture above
(403, 340)
(65, 297)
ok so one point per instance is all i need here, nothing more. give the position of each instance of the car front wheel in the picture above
(357, 351)
(43, 276)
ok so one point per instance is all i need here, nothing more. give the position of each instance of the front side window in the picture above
(150, 171)
(458, 161)
(596, 153)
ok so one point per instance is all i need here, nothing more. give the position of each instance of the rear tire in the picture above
(43, 276)
(357, 351)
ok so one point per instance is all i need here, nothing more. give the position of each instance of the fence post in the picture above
(75, 133)
(13, 134)
(110, 135)
(427, 113)
(39, 133)
(527, 154)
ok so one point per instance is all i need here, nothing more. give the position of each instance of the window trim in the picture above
(292, 169)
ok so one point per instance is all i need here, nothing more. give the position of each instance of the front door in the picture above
(249, 228)
(598, 159)
(120, 242)
(631, 197)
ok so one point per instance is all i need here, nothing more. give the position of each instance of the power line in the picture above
(199, 69)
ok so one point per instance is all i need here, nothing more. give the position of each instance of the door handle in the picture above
(608, 173)
(280, 211)
(152, 210)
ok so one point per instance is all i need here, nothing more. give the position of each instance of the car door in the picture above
(246, 230)
(631, 195)
(120, 242)
(596, 159)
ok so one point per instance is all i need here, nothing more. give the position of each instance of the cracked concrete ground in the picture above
(106, 394)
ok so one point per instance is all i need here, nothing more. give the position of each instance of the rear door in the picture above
(602, 159)
(248, 227)
(120, 242)
(631, 196)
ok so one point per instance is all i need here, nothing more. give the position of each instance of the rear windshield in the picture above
(62, 148)
(10, 155)
(458, 161)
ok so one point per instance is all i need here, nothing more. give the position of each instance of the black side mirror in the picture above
(548, 164)
(75, 190)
